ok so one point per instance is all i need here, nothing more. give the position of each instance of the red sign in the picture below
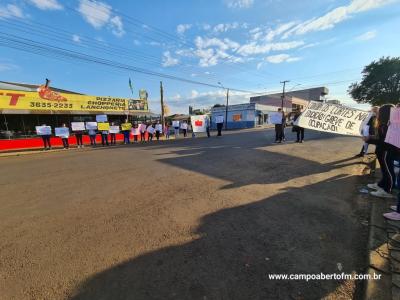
(198, 123)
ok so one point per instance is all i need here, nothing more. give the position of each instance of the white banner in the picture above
(333, 118)
(43, 130)
(175, 124)
(91, 125)
(78, 126)
(114, 129)
(150, 129)
(198, 123)
(275, 117)
(62, 132)
(219, 119)
(101, 118)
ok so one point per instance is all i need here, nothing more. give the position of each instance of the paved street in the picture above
(188, 219)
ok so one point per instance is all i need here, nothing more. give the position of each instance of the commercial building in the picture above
(247, 115)
(24, 106)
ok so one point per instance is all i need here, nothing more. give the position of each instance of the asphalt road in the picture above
(188, 219)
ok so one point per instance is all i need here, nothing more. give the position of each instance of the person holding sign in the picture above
(92, 136)
(158, 130)
(45, 132)
(126, 128)
(176, 128)
(135, 132)
(278, 125)
(142, 129)
(64, 138)
(113, 134)
(299, 130)
(184, 127)
(219, 120)
(150, 131)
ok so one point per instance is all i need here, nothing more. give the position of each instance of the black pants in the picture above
(92, 140)
(386, 161)
(104, 139)
(149, 136)
(278, 132)
(219, 128)
(300, 134)
(208, 131)
(158, 135)
(113, 138)
(184, 132)
(78, 139)
(142, 136)
(46, 141)
(65, 142)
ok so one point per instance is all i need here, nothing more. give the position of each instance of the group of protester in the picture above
(375, 132)
(143, 132)
(280, 128)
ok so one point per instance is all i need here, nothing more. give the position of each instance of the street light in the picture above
(227, 103)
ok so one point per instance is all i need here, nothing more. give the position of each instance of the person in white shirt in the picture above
(158, 130)
(184, 127)
(142, 129)
(176, 128)
(150, 131)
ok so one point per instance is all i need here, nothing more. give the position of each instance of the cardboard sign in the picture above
(219, 119)
(333, 118)
(175, 124)
(126, 126)
(159, 128)
(91, 125)
(199, 123)
(101, 118)
(184, 126)
(103, 126)
(62, 132)
(275, 117)
(43, 130)
(135, 131)
(393, 133)
(150, 129)
(78, 126)
(114, 129)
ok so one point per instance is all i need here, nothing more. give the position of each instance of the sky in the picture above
(197, 48)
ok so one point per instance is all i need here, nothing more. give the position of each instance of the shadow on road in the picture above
(299, 230)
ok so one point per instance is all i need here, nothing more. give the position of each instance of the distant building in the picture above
(293, 99)
(248, 115)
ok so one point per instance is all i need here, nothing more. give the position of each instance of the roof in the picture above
(30, 87)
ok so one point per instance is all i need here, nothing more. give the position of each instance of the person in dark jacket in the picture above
(299, 130)
(385, 154)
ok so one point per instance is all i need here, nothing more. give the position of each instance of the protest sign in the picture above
(184, 126)
(101, 118)
(275, 117)
(198, 123)
(43, 130)
(219, 119)
(150, 129)
(333, 118)
(175, 124)
(91, 125)
(126, 126)
(114, 129)
(393, 133)
(159, 128)
(78, 126)
(135, 131)
(103, 126)
(62, 132)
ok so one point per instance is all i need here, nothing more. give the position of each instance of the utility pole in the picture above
(226, 109)
(162, 105)
(283, 91)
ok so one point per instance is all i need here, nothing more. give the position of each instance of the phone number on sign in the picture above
(50, 105)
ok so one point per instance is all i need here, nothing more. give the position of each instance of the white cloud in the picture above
(335, 16)
(47, 4)
(254, 48)
(168, 60)
(220, 28)
(367, 36)
(280, 58)
(181, 28)
(76, 38)
(239, 3)
(7, 67)
(99, 14)
(279, 30)
(10, 11)
(137, 42)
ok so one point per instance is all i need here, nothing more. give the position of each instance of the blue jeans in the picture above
(126, 137)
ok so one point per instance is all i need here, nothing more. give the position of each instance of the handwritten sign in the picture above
(150, 129)
(101, 118)
(91, 125)
(103, 126)
(275, 117)
(114, 129)
(219, 119)
(175, 124)
(198, 123)
(333, 118)
(126, 126)
(62, 132)
(135, 131)
(43, 130)
(78, 126)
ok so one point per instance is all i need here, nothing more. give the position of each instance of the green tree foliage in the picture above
(380, 83)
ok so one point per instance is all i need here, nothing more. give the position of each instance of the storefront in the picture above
(22, 107)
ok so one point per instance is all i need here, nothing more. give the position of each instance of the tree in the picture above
(380, 83)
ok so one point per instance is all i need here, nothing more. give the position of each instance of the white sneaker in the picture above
(381, 194)
(393, 207)
(374, 186)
